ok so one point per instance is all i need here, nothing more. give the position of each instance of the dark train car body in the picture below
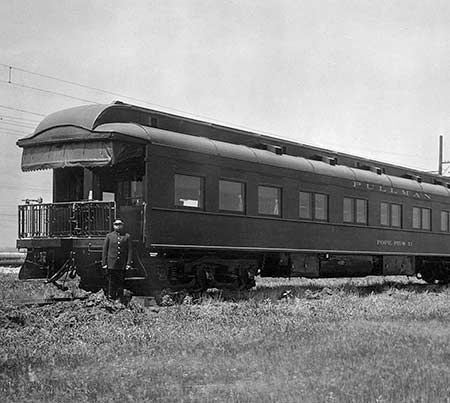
(211, 206)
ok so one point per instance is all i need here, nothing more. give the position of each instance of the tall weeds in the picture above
(366, 340)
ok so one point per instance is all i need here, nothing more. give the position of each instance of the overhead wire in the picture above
(19, 118)
(50, 77)
(169, 108)
(17, 124)
(13, 126)
(22, 110)
(47, 91)
(116, 94)
(13, 132)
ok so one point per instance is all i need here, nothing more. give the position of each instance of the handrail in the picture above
(66, 219)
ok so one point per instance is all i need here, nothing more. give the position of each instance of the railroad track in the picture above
(43, 301)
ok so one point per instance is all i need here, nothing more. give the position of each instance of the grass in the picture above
(365, 340)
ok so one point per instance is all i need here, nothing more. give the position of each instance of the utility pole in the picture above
(441, 153)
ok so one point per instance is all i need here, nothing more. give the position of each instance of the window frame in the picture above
(354, 211)
(447, 212)
(366, 211)
(280, 200)
(430, 220)
(124, 192)
(310, 205)
(421, 220)
(327, 207)
(244, 194)
(390, 215)
(416, 209)
(202, 200)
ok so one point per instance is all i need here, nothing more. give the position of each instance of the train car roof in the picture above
(83, 121)
(103, 146)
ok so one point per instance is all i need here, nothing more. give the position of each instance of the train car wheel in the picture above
(429, 278)
(429, 274)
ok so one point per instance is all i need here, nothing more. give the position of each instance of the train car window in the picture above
(320, 206)
(189, 191)
(444, 221)
(396, 215)
(231, 196)
(422, 218)
(361, 211)
(355, 210)
(391, 215)
(416, 216)
(305, 200)
(130, 193)
(348, 210)
(426, 219)
(269, 200)
(384, 214)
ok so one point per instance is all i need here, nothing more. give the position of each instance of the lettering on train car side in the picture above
(391, 242)
(391, 190)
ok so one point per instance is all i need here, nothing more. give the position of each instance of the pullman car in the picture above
(212, 206)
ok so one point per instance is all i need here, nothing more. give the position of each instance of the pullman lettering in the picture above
(391, 190)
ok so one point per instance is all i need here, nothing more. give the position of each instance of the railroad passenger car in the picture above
(213, 206)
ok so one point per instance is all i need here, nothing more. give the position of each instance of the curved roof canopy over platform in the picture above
(68, 138)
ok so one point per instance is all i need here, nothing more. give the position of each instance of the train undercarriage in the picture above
(151, 271)
(190, 272)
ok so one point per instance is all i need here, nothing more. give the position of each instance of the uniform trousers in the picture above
(115, 283)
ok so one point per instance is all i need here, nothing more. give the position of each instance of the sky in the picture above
(369, 78)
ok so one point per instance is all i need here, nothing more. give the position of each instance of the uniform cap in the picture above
(118, 221)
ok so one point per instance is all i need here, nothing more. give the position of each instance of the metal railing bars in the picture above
(68, 219)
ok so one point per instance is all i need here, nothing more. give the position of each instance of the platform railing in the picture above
(69, 219)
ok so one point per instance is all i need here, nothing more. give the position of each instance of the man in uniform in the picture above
(116, 258)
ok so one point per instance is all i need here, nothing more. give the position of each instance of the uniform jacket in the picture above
(117, 251)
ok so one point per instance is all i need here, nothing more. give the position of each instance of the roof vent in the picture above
(413, 177)
(152, 121)
(325, 158)
(377, 170)
(442, 183)
(371, 168)
(279, 150)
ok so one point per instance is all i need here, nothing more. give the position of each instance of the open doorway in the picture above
(122, 183)
(125, 184)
